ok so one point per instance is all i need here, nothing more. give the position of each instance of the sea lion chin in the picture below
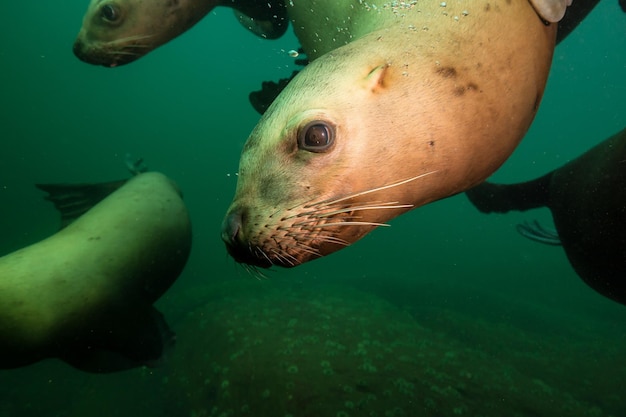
(403, 106)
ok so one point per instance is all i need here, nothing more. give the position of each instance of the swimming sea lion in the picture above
(587, 198)
(85, 294)
(403, 103)
(116, 32)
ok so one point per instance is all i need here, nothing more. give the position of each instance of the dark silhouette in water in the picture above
(587, 198)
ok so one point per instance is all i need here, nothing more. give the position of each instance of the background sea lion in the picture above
(85, 294)
(116, 32)
(587, 199)
(402, 104)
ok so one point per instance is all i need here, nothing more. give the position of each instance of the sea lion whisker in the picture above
(360, 208)
(295, 206)
(129, 39)
(372, 190)
(285, 253)
(306, 224)
(254, 271)
(282, 256)
(137, 46)
(329, 239)
(124, 53)
(304, 204)
(260, 251)
(349, 223)
(346, 209)
(333, 239)
(304, 248)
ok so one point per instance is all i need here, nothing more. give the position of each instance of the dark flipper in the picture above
(73, 200)
(266, 19)
(499, 198)
(262, 98)
(538, 233)
(126, 340)
(575, 14)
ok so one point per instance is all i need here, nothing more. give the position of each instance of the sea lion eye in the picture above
(109, 13)
(316, 136)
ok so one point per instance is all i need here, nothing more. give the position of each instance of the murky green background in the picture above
(454, 312)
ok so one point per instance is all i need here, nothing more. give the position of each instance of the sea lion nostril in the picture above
(78, 50)
(231, 228)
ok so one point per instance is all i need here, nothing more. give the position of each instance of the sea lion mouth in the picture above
(295, 239)
(112, 54)
(307, 231)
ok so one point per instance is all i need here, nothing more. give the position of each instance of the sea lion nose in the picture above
(78, 50)
(83, 52)
(230, 228)
(236, 243)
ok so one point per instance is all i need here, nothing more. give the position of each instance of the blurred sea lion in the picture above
(85, 294)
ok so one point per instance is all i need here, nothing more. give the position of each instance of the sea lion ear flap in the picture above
(375, 79)
(551, 10)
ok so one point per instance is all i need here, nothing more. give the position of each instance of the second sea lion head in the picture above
(117, 32)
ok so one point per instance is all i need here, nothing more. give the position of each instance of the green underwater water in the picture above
(448, 312)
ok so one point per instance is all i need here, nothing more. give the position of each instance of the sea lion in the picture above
(402, 104)
(85, 294)
(117, 32)
(587, 199)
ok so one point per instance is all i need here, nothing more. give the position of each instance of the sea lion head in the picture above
(117, 32)
(336, 155)
(391, 121)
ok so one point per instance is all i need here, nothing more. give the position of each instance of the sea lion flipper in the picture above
(262, 98)
(267, 20)
(575, 14)
(138, 338)
(73, 200)
(136, 166)
(500, 198)
(535, 231)
(551, 10)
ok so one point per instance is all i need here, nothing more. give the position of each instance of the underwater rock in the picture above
(335, 351)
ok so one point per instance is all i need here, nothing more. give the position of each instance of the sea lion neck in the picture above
(340, 23)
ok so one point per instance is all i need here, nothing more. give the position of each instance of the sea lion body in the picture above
(117, 32)
(415, 103)
(587, 199)
(85, 294)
